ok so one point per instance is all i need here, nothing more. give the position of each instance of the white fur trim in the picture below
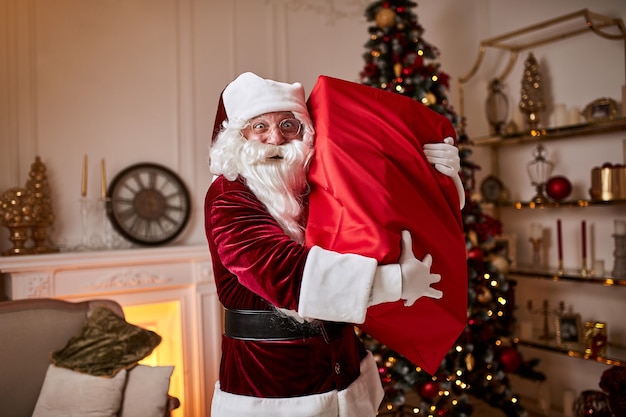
(460, 190)
(249, 96)
(335, 286)
(360, 399)
(387, 286)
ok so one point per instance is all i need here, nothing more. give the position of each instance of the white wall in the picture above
(138, 80)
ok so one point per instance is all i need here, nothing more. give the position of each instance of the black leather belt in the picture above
(258, 325)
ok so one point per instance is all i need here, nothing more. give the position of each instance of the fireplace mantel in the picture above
(72, 274)
(138, 276)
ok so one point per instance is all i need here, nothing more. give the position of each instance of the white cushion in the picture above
(146, 391)
(66, 393)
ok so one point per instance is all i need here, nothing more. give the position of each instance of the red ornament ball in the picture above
(558, 188)
(475, 254)
(429, 390)
(510, 359)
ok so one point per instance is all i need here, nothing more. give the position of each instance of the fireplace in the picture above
(169, 290)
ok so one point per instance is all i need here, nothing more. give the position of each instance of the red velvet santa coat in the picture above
(257, 265)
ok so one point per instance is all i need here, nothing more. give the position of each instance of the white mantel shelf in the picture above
(94, 259)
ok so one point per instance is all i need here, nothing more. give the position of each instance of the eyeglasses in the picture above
(289, 128)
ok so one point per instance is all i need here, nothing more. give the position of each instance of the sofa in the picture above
(40, 337)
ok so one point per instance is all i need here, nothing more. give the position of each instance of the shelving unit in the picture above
(616, 124)
(569, 275)
(554, 30)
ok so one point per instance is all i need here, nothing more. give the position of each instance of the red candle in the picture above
(559, 239)
(584, 242)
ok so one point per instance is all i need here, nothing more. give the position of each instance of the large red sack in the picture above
(369, 181)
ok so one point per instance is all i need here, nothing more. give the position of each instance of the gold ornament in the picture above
(500, 263)
(429, 99)
(27, 213)
(484, 296)
(532, 100)
(473, 237)
(385, 18)
(469, 362)
(397, 69)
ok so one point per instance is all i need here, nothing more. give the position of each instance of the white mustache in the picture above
(256, 152)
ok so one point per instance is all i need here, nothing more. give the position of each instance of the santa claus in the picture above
(289, 346)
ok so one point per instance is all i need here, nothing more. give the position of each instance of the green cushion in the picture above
(106, 345)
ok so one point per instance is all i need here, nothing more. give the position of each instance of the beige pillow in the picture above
(146, 391)
(66, 393)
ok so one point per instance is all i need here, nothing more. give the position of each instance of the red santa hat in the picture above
(249, 96)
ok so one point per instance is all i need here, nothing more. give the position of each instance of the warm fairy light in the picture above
(433, 408)
(418, 369)
(498, 342)
(383, 86)
(514, 400)
(425, 100)
(399, 88)
(434, 78)
(500, 313)
(375, 54)
(502, 300)
(455, 402)
(446, 393)
(420, 52)
(459, 372)
(487, 276)
(416, 410)
(373, 37)
(490, 313)
(459, 348)
(489, 377)
(389, 407)
(494, 283)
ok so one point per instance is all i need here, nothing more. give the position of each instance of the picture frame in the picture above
(600, 109)
(569, 329)
(506, 245)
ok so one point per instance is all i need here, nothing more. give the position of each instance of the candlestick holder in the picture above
(539, 170)
(619, 265)
(584, 271)
(536, 244)
(95, 227)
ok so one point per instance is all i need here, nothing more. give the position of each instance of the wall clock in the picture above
(491, 189)
(148, 204)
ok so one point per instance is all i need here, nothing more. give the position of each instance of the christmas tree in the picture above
(398, 59)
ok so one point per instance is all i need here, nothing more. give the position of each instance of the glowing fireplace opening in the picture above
(165, 319)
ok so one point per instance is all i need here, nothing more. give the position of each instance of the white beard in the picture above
(275, 174)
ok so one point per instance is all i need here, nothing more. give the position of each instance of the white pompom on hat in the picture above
(249, 95)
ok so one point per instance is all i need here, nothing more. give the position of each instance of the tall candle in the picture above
(559, 239)
(103, 179)
(584, 236)
(83, 183)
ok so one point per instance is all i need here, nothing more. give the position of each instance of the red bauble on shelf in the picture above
(558, 188)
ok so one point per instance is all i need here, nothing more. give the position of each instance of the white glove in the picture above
(408, 280)
(416, 276)
(445, 157)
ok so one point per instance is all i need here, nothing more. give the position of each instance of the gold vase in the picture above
(18, 235)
